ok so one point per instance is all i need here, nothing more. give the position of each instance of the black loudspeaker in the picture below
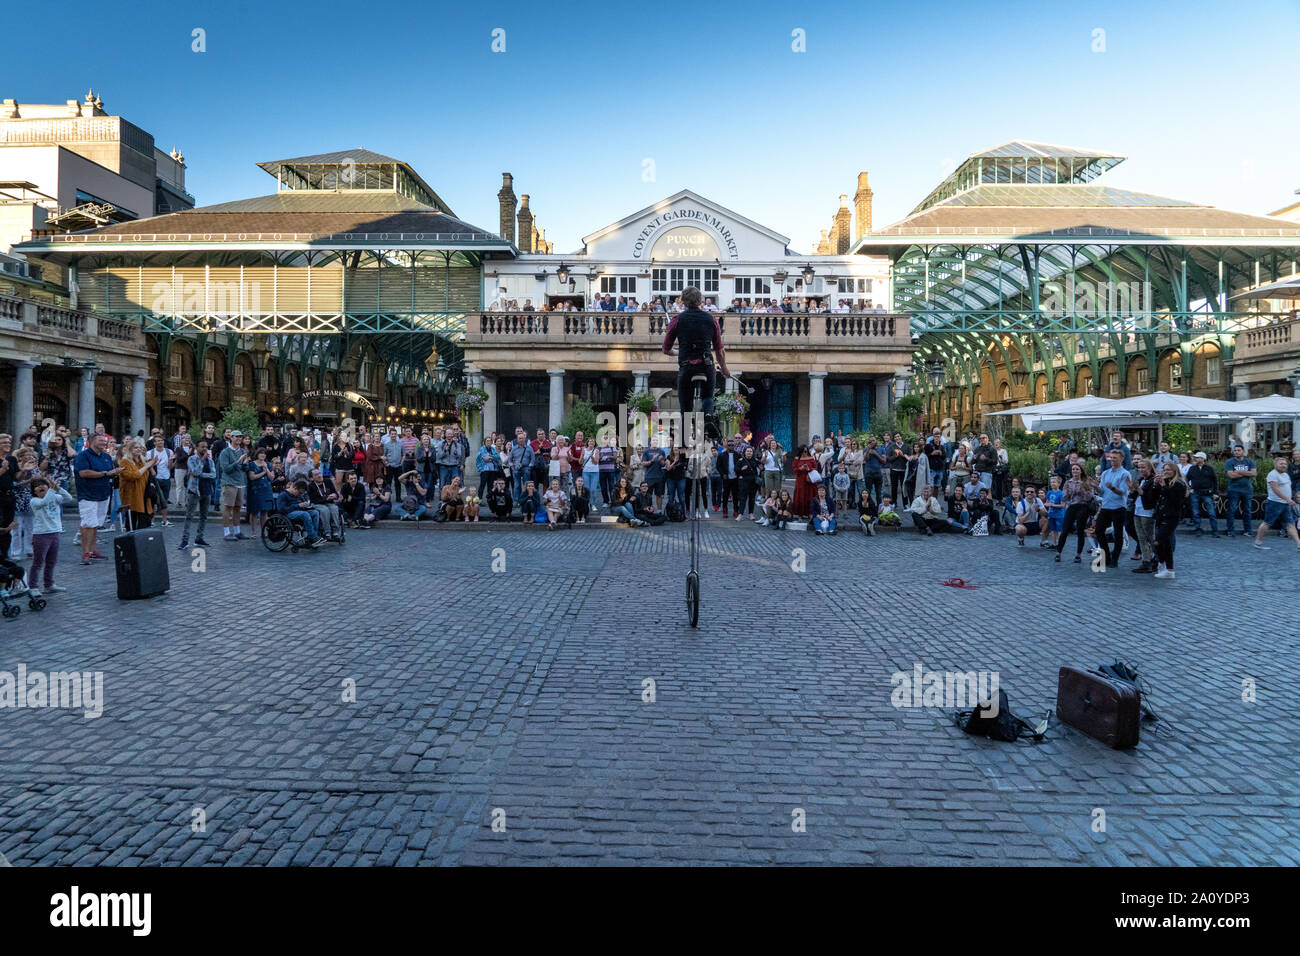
(141, 559)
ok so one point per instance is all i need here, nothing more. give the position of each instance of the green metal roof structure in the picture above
(1019, 250)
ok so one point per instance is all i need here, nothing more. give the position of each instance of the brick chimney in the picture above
(823, 245)
(862, 205)
(843, 227)
(506, 196)
(526, 231)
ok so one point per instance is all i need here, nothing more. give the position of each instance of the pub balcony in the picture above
(1268, 341)
(791, 341)
(57, 325)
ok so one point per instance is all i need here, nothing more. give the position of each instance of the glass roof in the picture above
(1019, 162)
(1058, 195)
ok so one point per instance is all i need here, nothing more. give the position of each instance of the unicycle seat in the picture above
(701, 378)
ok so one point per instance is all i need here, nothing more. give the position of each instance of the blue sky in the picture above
(1199, 96)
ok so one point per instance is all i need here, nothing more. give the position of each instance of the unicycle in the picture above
(693, 575)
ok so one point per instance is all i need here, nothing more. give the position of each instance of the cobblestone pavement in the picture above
(518, 696)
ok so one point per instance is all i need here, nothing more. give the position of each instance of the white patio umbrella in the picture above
(1288, 288)
(1272, 408)
(1146, 411)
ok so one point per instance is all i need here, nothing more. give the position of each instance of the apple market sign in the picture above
(683, 241)
(354, 397)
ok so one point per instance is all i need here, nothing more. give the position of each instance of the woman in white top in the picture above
(162, 474)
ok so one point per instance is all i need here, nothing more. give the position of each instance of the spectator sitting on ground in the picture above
(472, 503)
(580, 502)
(868, 513)
(529, 501)
(453, 501)
(557, 504)
(823, 511)
(927, 514)
(380, 504)
(644, 504)
(889, 515)
(498, 500)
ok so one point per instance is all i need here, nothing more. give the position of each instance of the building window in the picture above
(706, 280)
(1209, 436)
(1175, 375)
(1213, 370)
(264, 380)
(676, 280)
(239, 375)
(209, 371)
(618, 285)
(851, 285)
(658, 280)
(1144, 380)
(176, 365)
(1112, 383)
(1087, 385)
(753, 285)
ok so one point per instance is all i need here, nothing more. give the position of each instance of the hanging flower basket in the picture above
(730, 408)
(643, 402)
(469, 403)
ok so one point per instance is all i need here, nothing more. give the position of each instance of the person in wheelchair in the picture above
(295, 505)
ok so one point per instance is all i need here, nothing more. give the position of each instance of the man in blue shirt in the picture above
(654, 475)
(94, 469)
(1116, 483)
(1117, 443)
(1241, 487)
(295, 504)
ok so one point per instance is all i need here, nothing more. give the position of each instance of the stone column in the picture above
(86, 400)
(1243, 393)
(640, 381)
(139, 412)
(881, 404)
(23, 398)
(556, 411)
(816, 404)
(490, 405)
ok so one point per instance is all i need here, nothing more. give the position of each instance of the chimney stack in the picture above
(507, 198)
(862, 205)
(843, 227)
(823, 245)
(525, 219)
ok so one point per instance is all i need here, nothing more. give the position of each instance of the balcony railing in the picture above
(788, 329)
(54, 323)
(1269, 340)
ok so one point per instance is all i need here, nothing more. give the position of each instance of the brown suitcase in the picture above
(1105, 709)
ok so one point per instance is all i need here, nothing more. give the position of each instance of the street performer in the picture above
(699, 338)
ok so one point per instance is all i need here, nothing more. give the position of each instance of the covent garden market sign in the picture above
(681, 241)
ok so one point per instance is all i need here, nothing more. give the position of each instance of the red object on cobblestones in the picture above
(959, 583)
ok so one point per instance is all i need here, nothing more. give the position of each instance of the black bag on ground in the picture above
(1002, 726)
(675, 511)
(141, 559)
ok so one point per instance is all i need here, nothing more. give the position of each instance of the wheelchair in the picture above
(280, 533)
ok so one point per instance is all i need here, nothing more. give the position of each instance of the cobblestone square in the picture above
(520, 697)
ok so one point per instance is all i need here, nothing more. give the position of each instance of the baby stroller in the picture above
(13, 584)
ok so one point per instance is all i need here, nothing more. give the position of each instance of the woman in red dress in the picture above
(804, 489)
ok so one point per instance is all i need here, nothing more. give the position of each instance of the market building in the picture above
(813, 371)
(1025, 280)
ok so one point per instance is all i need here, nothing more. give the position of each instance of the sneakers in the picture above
(96, 556)
(1164, 573)
(185, 543)
(317, 544)
(85, 557)
(165, 524)
(1262, 547)
(1057, 559)
(199, 542)
(55, 589)
(241, 536)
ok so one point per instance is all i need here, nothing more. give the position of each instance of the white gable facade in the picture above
(687, 240)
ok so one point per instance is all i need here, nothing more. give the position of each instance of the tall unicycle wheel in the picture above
(693, 575)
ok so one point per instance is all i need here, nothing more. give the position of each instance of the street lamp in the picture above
(562, 274)
(938, 372)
